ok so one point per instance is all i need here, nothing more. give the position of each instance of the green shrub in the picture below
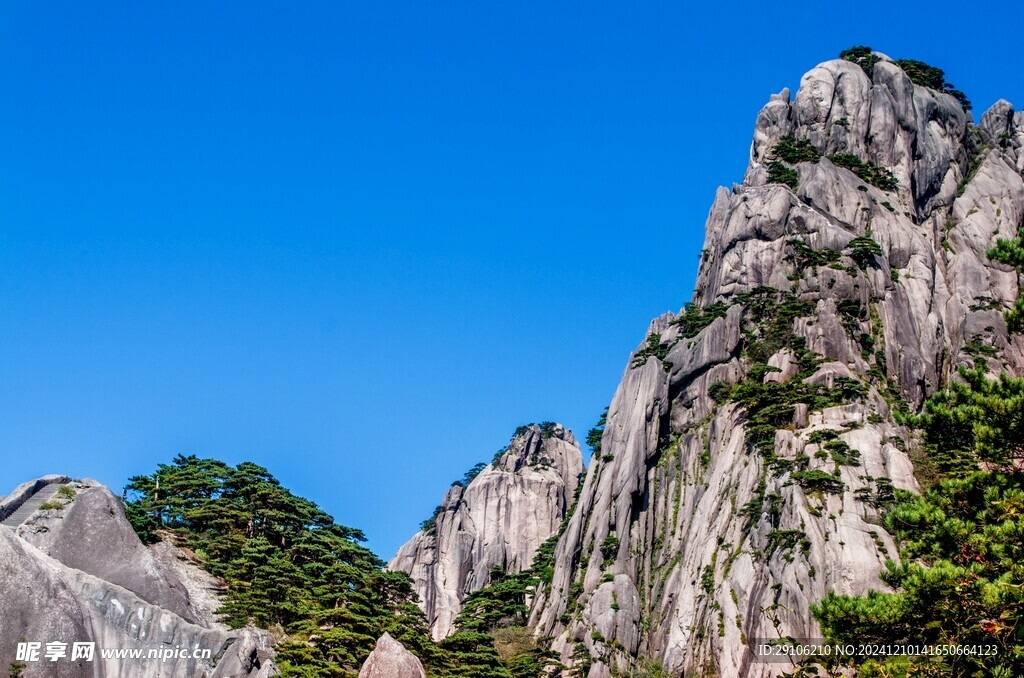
(842, 453)
(609, 549)
(862, 56)
(823, 435)
(720, 392)
(51, 505)
(469, 475)
(932, 77)
(786, 540)
(430, 523)
(863, 250)
(693, 318)
(65, 492)
(819, 480)
(869, 172)
(596, 434)
(707, 579)
(1012, 252)
(804, 257)
(792, 150)
(653, 349)
(779, 173)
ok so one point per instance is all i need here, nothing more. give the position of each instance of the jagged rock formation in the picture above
(821, 306)
(499, 519)
(390, 659)
(91, 534)
(74, 571)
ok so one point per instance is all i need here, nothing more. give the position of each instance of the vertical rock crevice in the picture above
(498, 520)
(845, 279)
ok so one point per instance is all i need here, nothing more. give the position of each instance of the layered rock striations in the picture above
(74, 571)
(497, 520)
(753, 436)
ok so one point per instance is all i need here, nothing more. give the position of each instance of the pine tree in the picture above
(961, 580)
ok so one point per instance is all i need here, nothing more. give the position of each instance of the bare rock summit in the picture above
(498, 520)
(390, 659)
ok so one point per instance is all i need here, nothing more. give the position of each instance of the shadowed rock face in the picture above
(80, 574)
(390, 659)
(691, 579)
(499, 520)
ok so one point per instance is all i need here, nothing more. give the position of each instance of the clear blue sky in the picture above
(359, 243)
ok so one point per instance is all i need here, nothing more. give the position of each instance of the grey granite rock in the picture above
(500, 520)
(92, 534)
(79, 574)
(390, 659)
(693, 578)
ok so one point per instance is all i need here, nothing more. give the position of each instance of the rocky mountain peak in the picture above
(497, 517)
(753, 436)
(541, 447)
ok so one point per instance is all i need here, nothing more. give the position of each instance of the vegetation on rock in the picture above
(862, 56)
(779, 173)
(792, 150)
(869, 172)
(1012, 252)
(961, 580)
(789, 151)
(919, 72)
(287, 564)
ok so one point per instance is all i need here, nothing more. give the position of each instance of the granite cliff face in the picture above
(845, 277)
(75, 571)
(499, 519)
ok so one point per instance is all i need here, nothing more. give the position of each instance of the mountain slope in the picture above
(752, 442)
(499, 519)
(74, 571)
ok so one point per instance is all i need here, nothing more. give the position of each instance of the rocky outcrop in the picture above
(390, 659)
(10, 504)
(702, 529)
(74, 571)
(90, 533)
(498, 520)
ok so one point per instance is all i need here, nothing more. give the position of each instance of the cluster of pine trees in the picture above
(287, 566)
(960, 582)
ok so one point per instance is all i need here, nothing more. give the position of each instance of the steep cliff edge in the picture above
(90, 533)
(752, 438)
(74, 571)
(497, 520)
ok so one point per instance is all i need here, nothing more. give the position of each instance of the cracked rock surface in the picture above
(718, 542)
(499, 519)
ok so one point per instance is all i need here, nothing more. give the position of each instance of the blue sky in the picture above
(360, 244)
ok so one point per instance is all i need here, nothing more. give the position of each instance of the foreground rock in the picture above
(74, 572)
(390, 659)
(499, 520)
(91, 534)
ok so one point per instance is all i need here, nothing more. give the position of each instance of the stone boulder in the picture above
(390, 659)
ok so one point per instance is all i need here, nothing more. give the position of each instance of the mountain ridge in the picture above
(878, 289)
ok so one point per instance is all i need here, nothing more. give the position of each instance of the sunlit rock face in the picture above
(687, 543)
(74, 571)
(390, 659)
(498, 520)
